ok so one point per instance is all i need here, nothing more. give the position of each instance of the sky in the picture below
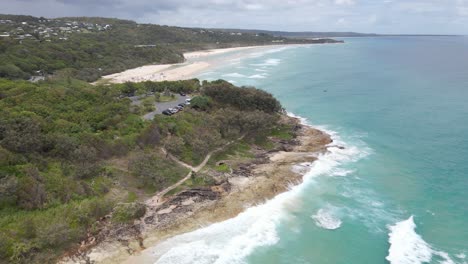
(370, 16)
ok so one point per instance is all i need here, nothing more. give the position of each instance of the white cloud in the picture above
(345, 2)
(462, 7)
(421, 7)
(372, 19)
(341, 22)
(380, 16)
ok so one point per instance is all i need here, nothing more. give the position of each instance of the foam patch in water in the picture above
(326, 219)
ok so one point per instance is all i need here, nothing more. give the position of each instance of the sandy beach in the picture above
(196, 62)
(269, 174)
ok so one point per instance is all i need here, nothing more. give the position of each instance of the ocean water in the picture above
(397, 193)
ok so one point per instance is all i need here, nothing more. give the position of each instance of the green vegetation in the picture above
(282, 132)
(222, 168)
(54, 46)
(127, 212)
(238, 150)
(70, 152)
(155, 172)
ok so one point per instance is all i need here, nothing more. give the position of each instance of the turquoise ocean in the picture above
(397, 193)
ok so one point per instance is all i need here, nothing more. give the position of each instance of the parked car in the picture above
(173, 110)
(167, 112)
(181, 105)
(187, 101)
(182, 94)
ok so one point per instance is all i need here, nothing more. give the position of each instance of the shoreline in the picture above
(195, 63)
(265, 178)
(272, 173)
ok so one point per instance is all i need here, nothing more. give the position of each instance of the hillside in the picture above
(320, 35)
(70, 152)
(301, 34)
(87, 48)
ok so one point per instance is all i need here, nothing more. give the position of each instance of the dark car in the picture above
(181, 105)
(167, 112)
(182, 94)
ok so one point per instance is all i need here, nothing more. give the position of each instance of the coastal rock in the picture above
(167, 210)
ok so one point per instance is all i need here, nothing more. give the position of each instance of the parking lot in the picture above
(161, 106)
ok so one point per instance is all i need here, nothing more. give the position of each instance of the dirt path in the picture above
(156, 200)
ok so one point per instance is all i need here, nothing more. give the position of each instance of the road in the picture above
(161, 106)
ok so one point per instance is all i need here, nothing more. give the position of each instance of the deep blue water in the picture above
(397, 193)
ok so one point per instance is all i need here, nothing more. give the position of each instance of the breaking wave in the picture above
(231, 241)
(408, 247)
(234, 75)
(268, 62)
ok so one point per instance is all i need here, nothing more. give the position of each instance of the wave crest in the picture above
(407, 247)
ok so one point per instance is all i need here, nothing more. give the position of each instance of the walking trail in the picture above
(157, 200)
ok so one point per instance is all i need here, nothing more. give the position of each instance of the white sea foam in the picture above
(268, 62)
(270, 51)
(325, 218)
(234, 75)
(232, 240)
(341, 172)
(407, 247)
(257, 76)
(207, 73)
(302, 168)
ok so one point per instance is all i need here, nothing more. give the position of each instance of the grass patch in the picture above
(131, 197)
(153, 172)
(264, 142)
(127, 212)
(282, 132)
(222, 168)
(236, 150)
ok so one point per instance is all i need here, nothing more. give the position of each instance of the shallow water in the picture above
(395, 194)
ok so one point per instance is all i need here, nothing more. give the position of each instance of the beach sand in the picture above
(196, 62)
(263, 181)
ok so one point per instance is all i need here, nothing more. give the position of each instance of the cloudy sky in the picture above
(379, 16)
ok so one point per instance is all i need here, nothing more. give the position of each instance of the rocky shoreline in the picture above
(270, 173)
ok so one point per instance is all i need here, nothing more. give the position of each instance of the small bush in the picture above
(127, 212)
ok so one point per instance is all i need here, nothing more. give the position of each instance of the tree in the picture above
(8, 190)
(245, 98)
(31, 191)
(200, 102)
(85, 158)
(150, 137)
(129, 89)
(22, 134)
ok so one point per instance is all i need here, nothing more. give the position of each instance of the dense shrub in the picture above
(244, 99)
